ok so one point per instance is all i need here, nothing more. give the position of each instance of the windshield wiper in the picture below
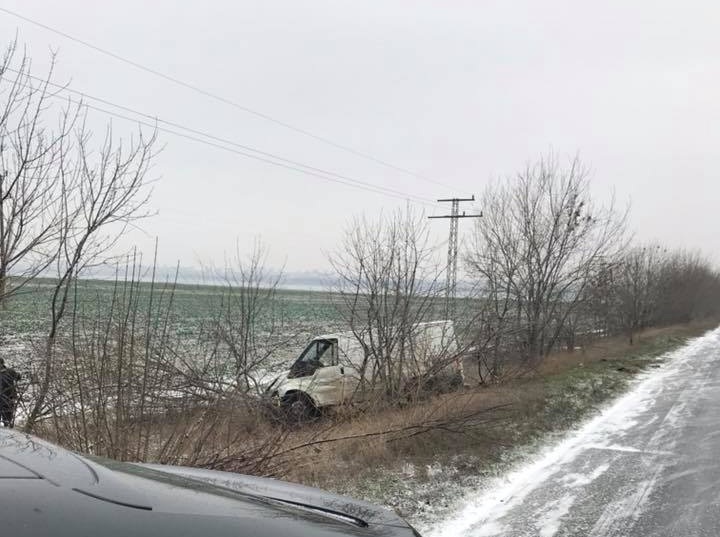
(338, 515)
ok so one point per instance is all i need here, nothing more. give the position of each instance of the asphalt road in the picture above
(649, 465)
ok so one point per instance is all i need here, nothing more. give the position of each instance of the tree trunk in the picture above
(3, 289)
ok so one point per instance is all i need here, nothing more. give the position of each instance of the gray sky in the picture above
(462, 92)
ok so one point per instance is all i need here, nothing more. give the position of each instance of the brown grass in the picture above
(483, 421)
(619, 346)
(386, 437)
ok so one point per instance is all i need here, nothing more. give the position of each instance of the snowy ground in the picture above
(649, 464)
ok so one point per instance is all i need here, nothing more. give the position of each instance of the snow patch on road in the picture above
(549, 523)
(483, 514)
(630, 449)
(576, 480)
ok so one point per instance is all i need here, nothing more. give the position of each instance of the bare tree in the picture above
(31, 179)
(689, 288)
(388, 283)
(637, 288)
(126, 385)
(239, 342)
(536, 250)
(64, 202)
(102, 193)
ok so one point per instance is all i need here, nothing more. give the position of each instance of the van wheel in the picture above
(457, 381)
(299, 408)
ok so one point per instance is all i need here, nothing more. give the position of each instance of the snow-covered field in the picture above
(300, 314)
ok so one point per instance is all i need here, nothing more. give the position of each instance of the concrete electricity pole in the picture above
(454, 216)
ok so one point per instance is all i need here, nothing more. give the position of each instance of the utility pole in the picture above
(451, 275)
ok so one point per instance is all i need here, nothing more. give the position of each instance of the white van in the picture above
(330, 370)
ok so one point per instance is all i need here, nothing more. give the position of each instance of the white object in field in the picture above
(334, 369)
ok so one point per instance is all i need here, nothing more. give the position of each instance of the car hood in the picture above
(291, 493)
(47, 490)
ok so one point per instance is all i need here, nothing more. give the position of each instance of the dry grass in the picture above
(483, 421)
(619, 346)
(481, 424)
(387, 437)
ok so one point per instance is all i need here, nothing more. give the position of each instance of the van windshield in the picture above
(314, 357)
(315, 352)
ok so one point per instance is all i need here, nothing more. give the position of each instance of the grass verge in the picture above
(422, 476)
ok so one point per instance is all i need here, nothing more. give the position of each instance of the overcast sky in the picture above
(459, 92)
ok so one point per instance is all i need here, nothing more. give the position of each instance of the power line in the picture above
(265, 157)
(362, 186)
(224, 100)
(223, 140)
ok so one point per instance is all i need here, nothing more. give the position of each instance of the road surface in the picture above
(649, 465)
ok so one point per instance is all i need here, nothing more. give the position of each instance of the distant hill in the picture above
(311, 280)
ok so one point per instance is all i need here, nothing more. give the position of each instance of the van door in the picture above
(326, 384)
